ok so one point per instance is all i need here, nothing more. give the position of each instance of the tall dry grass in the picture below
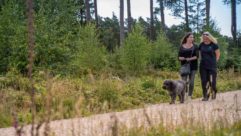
(91, 94)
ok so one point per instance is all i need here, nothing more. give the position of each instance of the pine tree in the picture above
(122, 33)
(197, 15)
(233, 18)
(152, 35)
(87, 6)
(96, 12)
(207, 4)
(129, 15)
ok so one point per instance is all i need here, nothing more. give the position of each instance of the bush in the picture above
(13, 35)
(90, 54)
(5, 120)
(14, 79)
(148, 84)
(134, 55)
(108, 92)
(234, 59)
(163, 55)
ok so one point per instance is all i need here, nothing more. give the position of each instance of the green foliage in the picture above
(234, 59)
(163, 55)
(92, 94)
(15, 80)
(55, 34)
(223, 46)
(197, 14)
(90, 54)
(175, 34)
(108, 93)
(148, 84)
(55, 26)
(145, 26)
(68, 107)
(12, 36)
(109, 32)
(134, 56)
(6, 119)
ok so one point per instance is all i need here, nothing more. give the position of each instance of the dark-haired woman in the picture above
(188, 53)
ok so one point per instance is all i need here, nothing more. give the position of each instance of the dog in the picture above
(174, 88)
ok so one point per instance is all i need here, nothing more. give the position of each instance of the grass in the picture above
(91, 94)
(218, 130)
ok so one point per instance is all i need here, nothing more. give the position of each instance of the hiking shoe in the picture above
(213, 96)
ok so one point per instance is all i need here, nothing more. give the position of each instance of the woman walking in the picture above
(188, 54)
(210, 55)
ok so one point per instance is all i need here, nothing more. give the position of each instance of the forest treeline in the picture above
(72, 39)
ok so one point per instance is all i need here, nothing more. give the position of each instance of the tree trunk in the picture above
(122, 34)
(129, 15)
(96, 13)
(233, 21)
(207, 12)
(31, 43)
(87, 6)
(82, 12)
(186, 15)
(197, 19)
(162, 14)
(151, 21)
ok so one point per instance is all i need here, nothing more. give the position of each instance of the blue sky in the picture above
(219, 12)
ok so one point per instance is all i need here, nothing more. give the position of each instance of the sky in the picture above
(219, 12)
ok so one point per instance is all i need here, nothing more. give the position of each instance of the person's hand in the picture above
(182, 58)
(188, 59)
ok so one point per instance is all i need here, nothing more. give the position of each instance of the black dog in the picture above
(175, 87)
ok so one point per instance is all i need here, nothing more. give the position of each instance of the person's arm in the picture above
(181, 58)
(180, 55)
(195, 55)
(192, 58)
(217, 52)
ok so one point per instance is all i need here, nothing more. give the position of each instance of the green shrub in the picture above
(5, 119)
(163, 55)
(108, 94)
(16, 80)
(148, 84)
(13, 36)
(134, 55)
(90, 54)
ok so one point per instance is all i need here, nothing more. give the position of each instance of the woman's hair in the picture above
(210, 37)
(184, 39)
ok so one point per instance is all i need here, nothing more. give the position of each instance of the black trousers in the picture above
(206, 76)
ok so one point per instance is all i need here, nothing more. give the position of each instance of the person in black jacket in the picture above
(188, 53)
(210, 54)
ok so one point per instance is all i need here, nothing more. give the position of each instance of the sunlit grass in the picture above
(93, 94)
